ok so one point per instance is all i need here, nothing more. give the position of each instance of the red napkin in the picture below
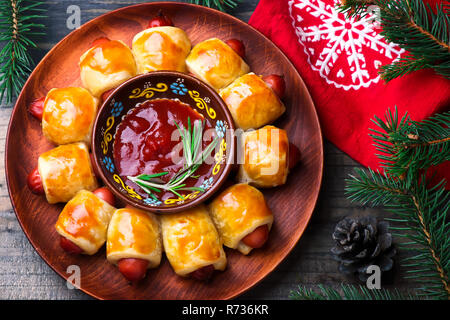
(338, 59)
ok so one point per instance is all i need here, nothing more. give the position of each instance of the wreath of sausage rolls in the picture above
(84, 221)
(65, 170)
(68, 115)
(106, 65)
(251, 102)
(264, 157)
(134, 235)
(214, 62)
(240, 212)
(161, 48)
(191, 241)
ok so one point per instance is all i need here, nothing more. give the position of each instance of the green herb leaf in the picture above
(191, 139)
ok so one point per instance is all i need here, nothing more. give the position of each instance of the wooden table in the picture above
(24, 275)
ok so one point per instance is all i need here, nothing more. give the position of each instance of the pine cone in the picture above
(361, 242)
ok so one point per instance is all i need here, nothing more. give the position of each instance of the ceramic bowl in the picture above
(162, 85)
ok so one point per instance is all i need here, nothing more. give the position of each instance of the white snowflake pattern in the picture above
(337, 46)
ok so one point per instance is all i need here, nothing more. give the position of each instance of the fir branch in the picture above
(222, 5)
(423, 213)
(415, 27)
(420, 211)
(17, 30)
(354, 8)
(402, 67)
(408, 146)
(349, 292)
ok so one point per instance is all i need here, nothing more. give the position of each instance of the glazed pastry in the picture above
(68, 115)
(216, 63)
(84, 221)
(161, 48)
(264, 157)
(191, 241)
(252, 102)
(239, 211)
(106, 65)
(133, 233)
(65, 170)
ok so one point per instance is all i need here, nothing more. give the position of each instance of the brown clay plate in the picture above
(292, 203)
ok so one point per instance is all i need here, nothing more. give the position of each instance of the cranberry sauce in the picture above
(147, 137)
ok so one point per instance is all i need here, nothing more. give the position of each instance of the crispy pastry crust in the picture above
(68, 115)
(161, 48)
(65, 170)
(191, 241)
(133, 233)
(237, 212)
(105, 66)
(251, 102)
(84, 221)
(265, 157)
(216, 63)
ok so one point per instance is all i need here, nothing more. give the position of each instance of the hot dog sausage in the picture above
(69, 246)
(99, 41)
(106, 195)
(34, 182)
(203, 274)
(106, 94)
(237, 46)
(277, 84)
(133, 269)
(160, 20)
(36, 108)
(257, 237)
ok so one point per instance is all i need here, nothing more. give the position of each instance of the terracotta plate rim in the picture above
(215, 12)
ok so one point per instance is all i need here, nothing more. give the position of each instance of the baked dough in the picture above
(106, 65)
(237, 212)
(251, 102)
(264, 157)
(133, 233)
(65, 170)
(216, 63)
(68, 115)
(84, 221)
(191, 241)
(161, 48)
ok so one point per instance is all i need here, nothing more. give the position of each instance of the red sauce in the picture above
(144, 145)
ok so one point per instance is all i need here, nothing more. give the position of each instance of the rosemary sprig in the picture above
(191, 139)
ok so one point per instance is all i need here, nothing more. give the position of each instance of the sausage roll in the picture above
(68, 115)
(161, 48)
(251, 102)
(106, 65)
(84, 221)
(237, 212)
(65, 170)
(191, 241)
(216, 63)
(264, 157)
(133, 233)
